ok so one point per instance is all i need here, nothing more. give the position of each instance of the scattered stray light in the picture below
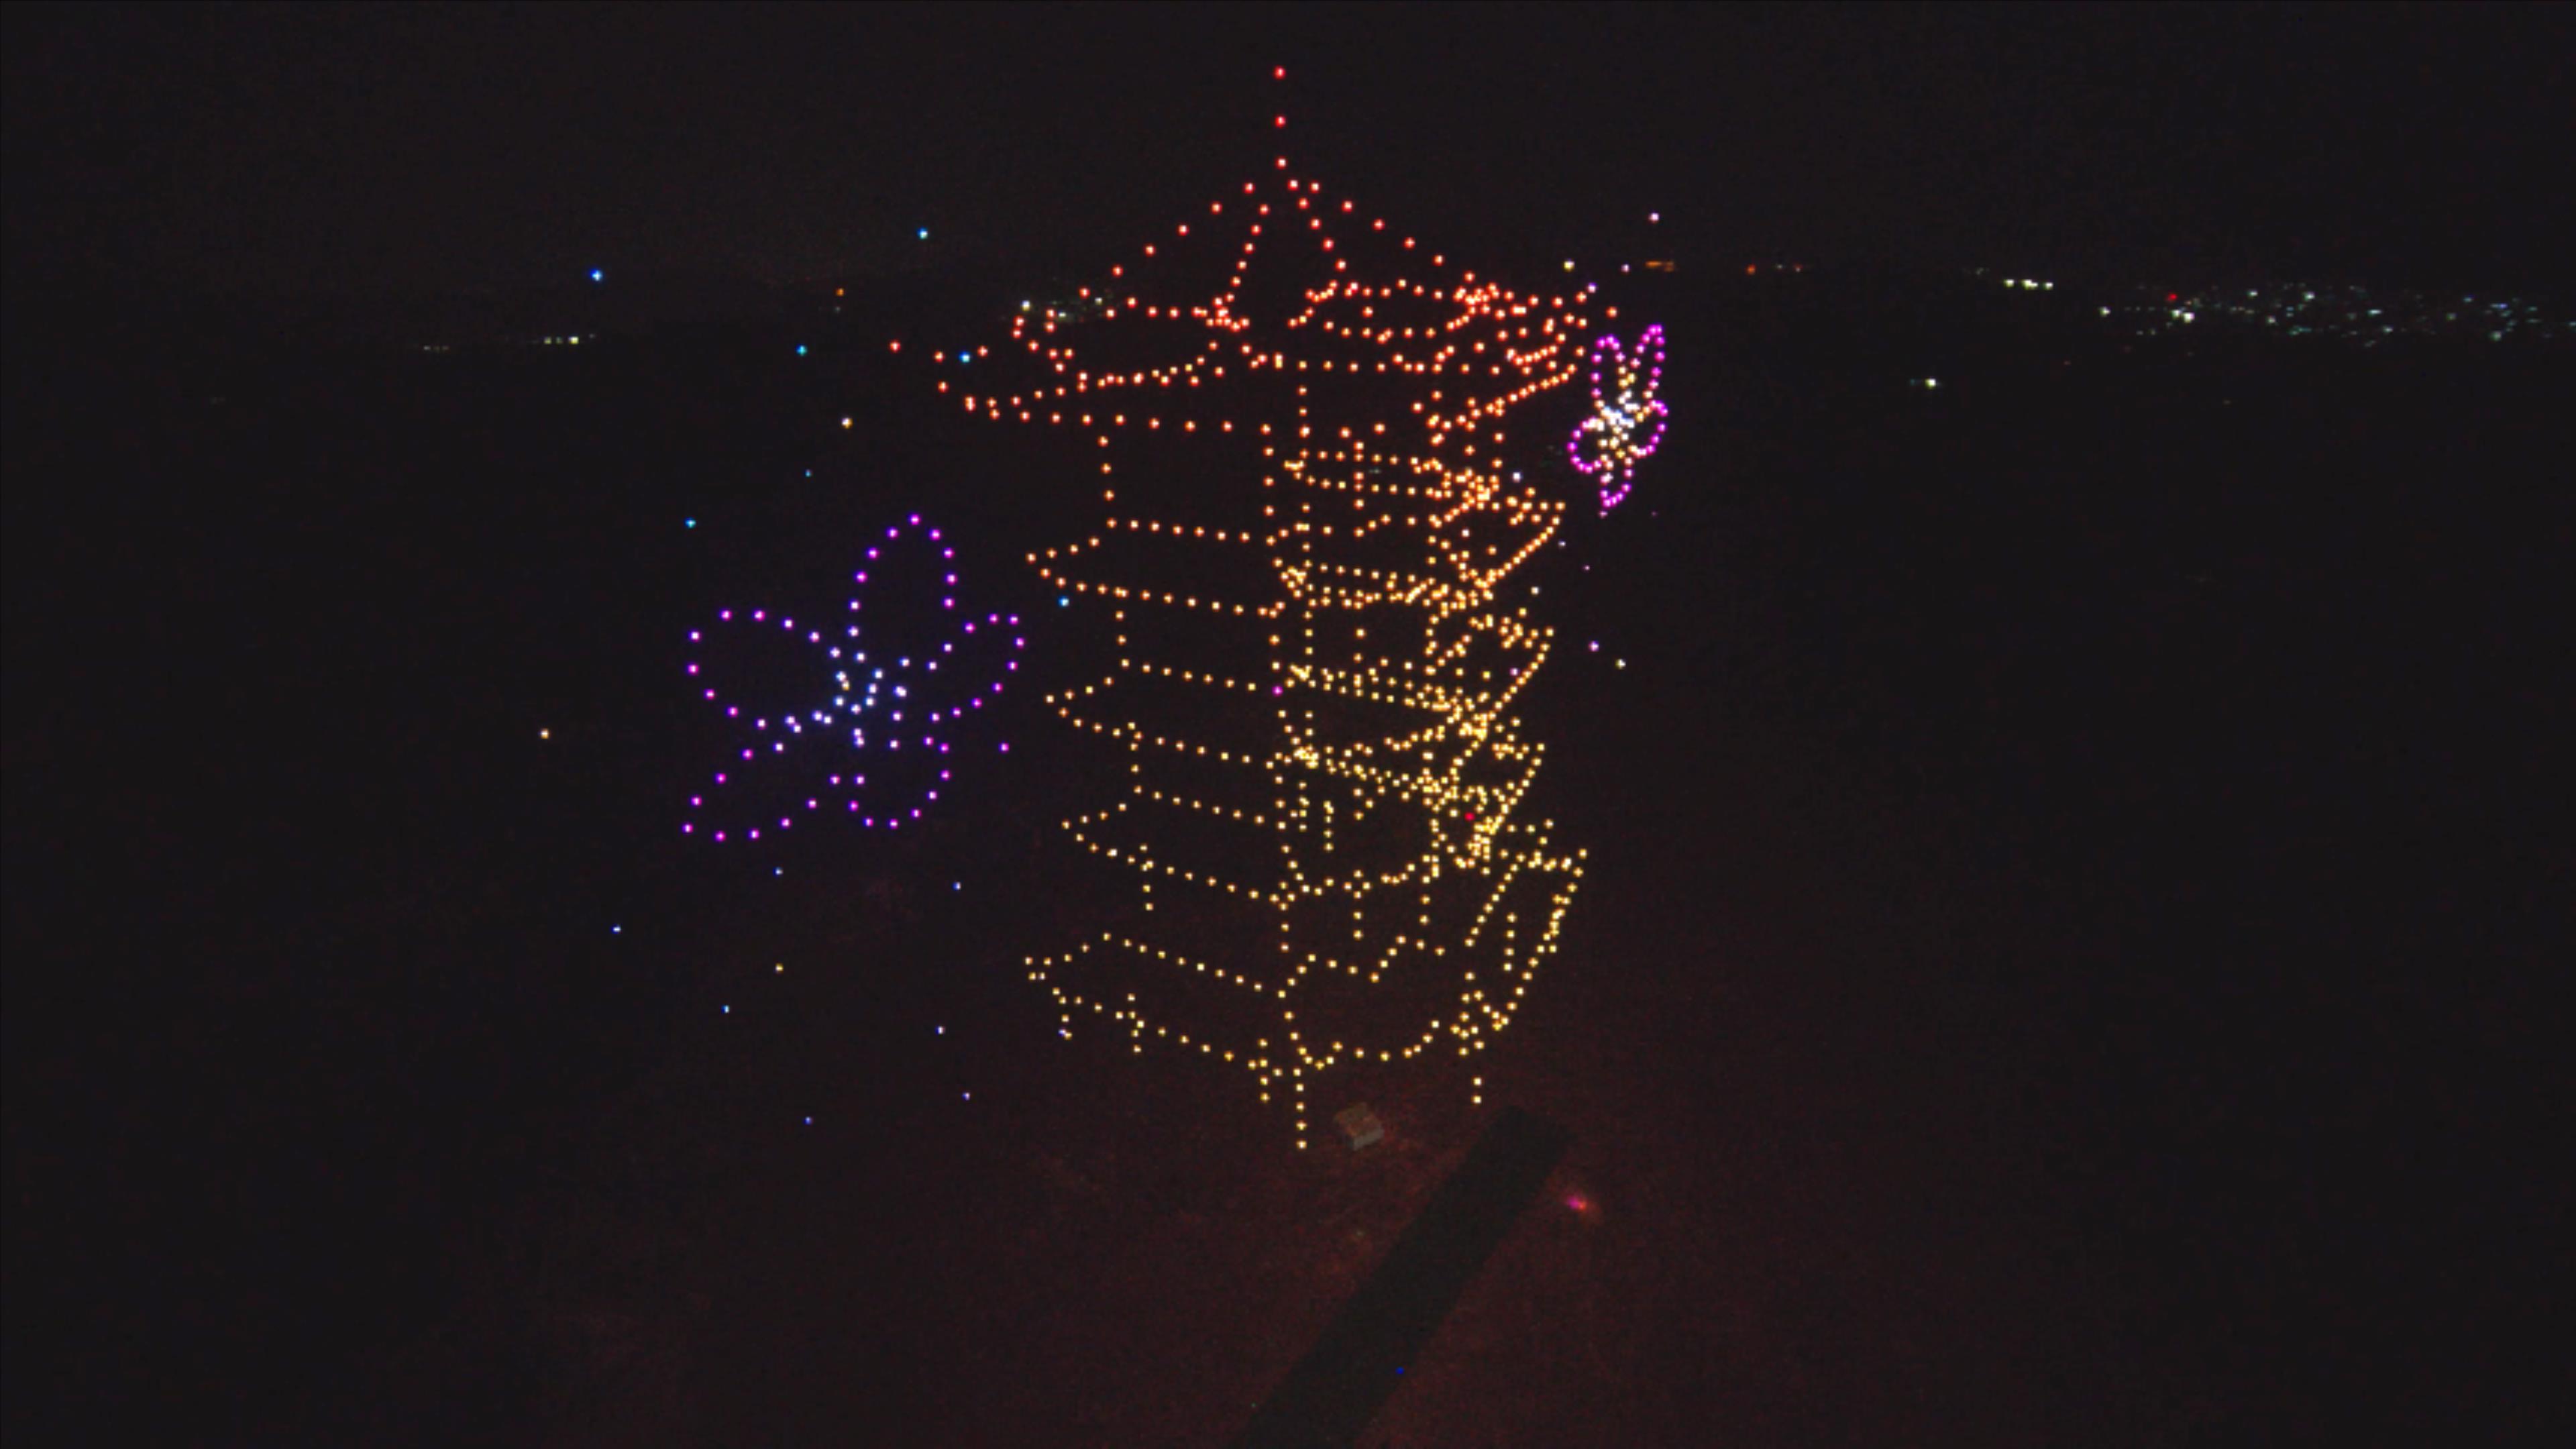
(545, 734)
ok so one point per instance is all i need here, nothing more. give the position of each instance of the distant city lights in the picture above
(2360, 316)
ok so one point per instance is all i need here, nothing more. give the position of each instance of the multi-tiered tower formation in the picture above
(1300, 420)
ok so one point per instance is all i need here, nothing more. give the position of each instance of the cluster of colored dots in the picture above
(883, 698)
(1626, 424)
(1320, 582)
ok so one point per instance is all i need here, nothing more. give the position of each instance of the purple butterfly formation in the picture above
(1627, 421)
(861, 714)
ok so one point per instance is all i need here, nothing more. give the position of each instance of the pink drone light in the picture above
(1627, 420)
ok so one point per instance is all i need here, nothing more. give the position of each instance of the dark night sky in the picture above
(290, 149)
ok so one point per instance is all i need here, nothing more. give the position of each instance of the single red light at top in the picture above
(1279, 72)
(1283, 120)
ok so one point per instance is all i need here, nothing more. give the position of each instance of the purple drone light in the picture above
(865, 705)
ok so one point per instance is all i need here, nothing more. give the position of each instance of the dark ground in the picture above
(2067, 954)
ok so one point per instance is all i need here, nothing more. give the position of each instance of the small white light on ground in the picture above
(1359, 1126)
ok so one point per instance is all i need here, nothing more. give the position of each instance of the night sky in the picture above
(291, 149)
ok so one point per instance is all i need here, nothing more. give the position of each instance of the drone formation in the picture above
(1626, 424)
(1300, 422)
(871, 737)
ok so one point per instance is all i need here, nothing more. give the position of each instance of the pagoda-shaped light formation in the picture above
(1300, 418)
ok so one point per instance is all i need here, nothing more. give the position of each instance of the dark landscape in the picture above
(2067, 953)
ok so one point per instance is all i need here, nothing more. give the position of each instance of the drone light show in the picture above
(1298, 418)
(855, 717)
(1626, 423)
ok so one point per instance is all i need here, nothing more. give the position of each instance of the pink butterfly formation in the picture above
(1627, 420)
